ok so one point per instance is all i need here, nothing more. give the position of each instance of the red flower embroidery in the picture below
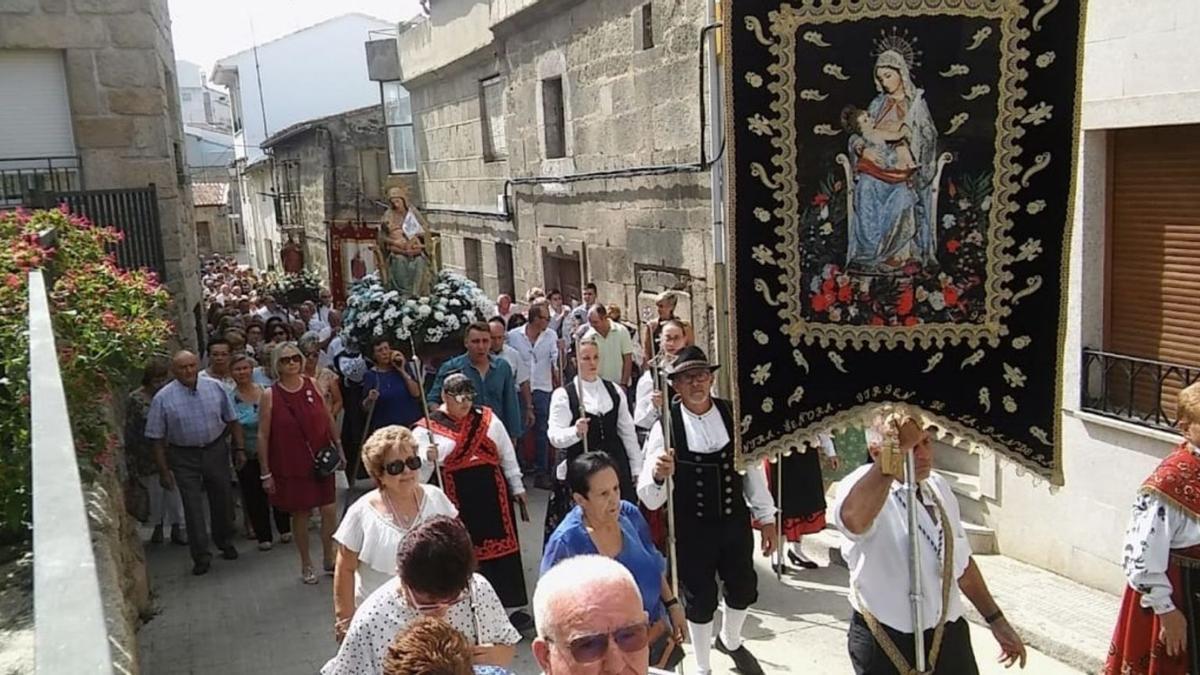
(820, 302)
(904, 305)
(820, 200)
(845, 293)
(951, 295)
(877, 320)
(953, 245)
(911, 321)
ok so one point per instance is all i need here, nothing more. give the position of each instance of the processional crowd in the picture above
(649, 531)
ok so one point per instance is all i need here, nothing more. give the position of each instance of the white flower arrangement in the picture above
(292, 289)
(372, 311)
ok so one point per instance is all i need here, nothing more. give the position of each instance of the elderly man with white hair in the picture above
(590, 620)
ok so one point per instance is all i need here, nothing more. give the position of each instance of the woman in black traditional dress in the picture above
(803, 506)
(607, 426)
(479, 473)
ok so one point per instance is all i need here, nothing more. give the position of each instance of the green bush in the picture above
(107, 322)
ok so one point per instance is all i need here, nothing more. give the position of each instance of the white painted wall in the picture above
(1135, 74)
(318, 71)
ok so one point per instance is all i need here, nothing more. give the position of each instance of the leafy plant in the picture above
(107, 321)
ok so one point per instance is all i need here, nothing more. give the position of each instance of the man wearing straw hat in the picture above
(870, 510)
(713, 506)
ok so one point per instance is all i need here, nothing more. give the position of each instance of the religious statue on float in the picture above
(292, 257)
(403, 248)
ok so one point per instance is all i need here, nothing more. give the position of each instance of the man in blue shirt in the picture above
(495, 383)
(190, 422)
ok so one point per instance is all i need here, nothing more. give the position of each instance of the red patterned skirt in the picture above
(1136, 649)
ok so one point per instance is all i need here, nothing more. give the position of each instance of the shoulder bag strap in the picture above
(295, 420)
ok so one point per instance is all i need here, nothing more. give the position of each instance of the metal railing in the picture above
(21, 177)
(131, 211)
(70, 635)
(1132, 389)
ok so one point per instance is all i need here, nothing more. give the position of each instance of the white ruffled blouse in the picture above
(375, 537)
(1156, 527)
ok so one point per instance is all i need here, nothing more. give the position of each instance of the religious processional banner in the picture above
(901, 188)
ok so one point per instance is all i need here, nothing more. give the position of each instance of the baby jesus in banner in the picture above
(1156, 628)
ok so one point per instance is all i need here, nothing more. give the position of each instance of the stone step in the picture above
(963, 484)
(981, 538)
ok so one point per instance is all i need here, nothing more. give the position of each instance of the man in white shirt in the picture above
(713, 510)
(872, 512)
(538, 346)
(271, 310)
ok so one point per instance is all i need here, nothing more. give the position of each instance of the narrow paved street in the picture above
(252, 616)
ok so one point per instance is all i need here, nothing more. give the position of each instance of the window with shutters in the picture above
(1151, 344)
(491, 114)
(373, 171)
(554, 118)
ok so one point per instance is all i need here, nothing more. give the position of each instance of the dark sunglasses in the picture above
(294, 358)
(397, 467)
(591, 648)
(279, 333)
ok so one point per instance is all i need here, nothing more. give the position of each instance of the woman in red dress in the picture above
(293, 425)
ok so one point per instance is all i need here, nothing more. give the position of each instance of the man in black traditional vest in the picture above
(713, 509)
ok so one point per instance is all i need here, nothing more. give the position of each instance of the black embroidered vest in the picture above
(707, 486)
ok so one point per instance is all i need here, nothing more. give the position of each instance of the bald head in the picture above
(185, 367)
(586, 595)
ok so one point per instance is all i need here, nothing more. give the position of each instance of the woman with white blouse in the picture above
(596, 409)
(373, 527)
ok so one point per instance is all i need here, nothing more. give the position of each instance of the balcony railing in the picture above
(131, 211)
(1141, 391)
(21, 177)
(70, 635)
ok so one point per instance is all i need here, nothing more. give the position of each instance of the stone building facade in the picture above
(509, 97)
(119, 66)
(329, 172)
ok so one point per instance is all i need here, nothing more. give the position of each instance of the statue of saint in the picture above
(401, 252)
(292, 257)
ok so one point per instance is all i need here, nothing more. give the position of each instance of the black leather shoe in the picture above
(743, 660)
(201, 566)
(229, 553)
(543, 481)
(801, 562)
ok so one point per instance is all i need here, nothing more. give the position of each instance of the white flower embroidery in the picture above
(761, 373)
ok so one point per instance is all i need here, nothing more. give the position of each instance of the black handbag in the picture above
(326, 459)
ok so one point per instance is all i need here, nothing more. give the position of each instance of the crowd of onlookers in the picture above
(282, 407)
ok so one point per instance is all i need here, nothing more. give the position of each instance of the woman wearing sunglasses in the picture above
(480, 474)
(294, 425)
(277, 331)
(602, 523)
(377, 522)
(436, 565)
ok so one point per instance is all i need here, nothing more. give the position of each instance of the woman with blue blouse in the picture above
(392, 393)
(602, 524)
(246, 395)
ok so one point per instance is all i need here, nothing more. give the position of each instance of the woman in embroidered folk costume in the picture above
(1156, 628)
(593, 408)
(403, 248)
(891, 224)
(872, 512)
(480, 474)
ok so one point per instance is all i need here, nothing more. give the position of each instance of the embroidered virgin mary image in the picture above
(896, 170)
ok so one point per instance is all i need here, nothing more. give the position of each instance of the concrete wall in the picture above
(454, 29)
(311, 73)
(1132, 78)
(120, 66)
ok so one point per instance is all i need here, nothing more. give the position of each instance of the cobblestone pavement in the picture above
(253, 616)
